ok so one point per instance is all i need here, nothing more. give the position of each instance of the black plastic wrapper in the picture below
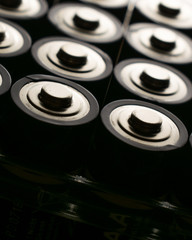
(31, 15)
(122, 161)
(182, 192)
(88, 23)
(39, 131)
(173, 14)
(75, 60)
(14, 49)
(155, 82)
(160, 43)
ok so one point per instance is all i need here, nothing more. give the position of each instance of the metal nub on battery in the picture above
(145, 122)
(155, 78)
(72, 55)
(56, 97)
(163, 39)
(86, 19)
(169, 8)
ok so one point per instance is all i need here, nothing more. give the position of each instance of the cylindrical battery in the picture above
(159, 43)
(53, 118)
(155, 82)
(31, 15)
(117, 8)
(88, 23)
(141, 141)
(5, 85)
(182, 180)
(173, 13)
(15, 43)
(73, 59)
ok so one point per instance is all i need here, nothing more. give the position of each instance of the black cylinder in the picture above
(181, 188)
(53, 121)
(133, 147)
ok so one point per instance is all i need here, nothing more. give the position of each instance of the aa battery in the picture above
(140, 141)
(31, 15)
(182, 180)
(53, 118)
(5, 85)
(88, 23)
(117, 8)
(73, 59)
(15, 43)
(154, 82)
(173, 14)
(159, 43)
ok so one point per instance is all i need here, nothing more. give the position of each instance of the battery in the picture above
(159, 43)
(117, 8)
(181, 188)
(31, 15)
(154, 82)
(52, 117)
(88, 23)
(140, 141)
(173, 13)
(73, 59)
(5, 85)
(15, 43)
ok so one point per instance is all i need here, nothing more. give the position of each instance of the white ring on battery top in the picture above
(176, 85)
(64, 20)
(119, 117)
(80, 106)
(13, 39)
(94, 59)
(27, 8)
